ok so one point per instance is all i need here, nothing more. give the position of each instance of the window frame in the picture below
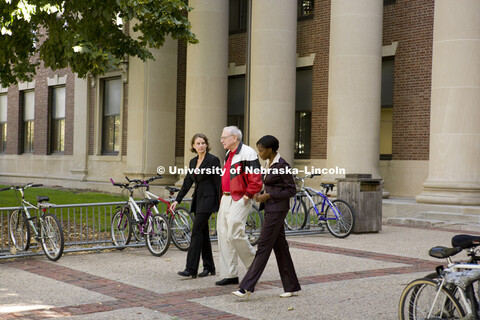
(25, 124)
(52, 119)
(301, 13)
(99, 110)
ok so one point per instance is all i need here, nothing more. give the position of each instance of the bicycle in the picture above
(450, 292)
(130, 220)
(337, 215)
(180, 221)
(47, 230)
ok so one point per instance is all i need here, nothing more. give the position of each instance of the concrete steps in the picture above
(408, 211)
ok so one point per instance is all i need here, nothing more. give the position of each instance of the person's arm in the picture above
(288, 189)
(253, 180)
(187, 184)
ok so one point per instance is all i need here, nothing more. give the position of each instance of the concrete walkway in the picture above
(360, 277)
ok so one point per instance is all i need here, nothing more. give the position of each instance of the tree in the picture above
(88, 36)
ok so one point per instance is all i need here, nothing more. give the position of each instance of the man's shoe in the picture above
(186, 273)
(288, 294)
(206, 272)
(226, 281)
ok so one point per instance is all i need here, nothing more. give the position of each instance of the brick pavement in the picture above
(178, 304)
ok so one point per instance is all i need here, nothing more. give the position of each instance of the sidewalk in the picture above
(360, 277)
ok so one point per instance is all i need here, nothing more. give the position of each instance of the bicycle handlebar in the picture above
(5, 189)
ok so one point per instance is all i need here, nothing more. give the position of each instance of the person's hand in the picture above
(262, 197)
(173, 205)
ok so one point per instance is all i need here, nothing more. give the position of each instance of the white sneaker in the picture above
(288, 294)
(242, 295)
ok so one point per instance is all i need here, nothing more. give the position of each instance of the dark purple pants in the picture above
(272, 236)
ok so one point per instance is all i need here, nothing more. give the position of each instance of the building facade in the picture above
(389, 88)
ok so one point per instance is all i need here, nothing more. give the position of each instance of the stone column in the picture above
(207, 74)
(79, 166)
(152, 105)
(454, 166)
(273, 71)
(354, 87)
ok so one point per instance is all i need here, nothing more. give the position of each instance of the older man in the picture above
(239, 185)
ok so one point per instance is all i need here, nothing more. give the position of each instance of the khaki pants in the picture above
(232, 239)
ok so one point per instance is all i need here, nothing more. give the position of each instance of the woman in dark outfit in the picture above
(279, 188)
(205, 173)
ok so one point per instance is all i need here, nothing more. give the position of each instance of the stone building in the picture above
(389, 88)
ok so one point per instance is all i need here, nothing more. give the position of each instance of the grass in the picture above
(81, 216)
(57, 196)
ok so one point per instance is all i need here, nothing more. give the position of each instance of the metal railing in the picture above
(87, 227)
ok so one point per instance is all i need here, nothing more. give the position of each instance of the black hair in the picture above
(269, 142)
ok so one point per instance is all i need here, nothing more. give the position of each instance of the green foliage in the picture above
(88, 36)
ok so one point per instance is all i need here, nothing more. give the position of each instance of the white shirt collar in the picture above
(275, 160)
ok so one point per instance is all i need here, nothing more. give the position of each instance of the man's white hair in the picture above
(234, 131)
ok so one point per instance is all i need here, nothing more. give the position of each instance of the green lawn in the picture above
(58, 196)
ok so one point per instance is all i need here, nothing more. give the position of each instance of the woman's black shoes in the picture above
(206, 272)
(186, 273)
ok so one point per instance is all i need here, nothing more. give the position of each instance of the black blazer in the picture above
(280, 186)
(206, 196)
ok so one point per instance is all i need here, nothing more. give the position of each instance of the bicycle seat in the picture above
(152, 201)
(327, 185)
(172, 189)
(42, 199)
(443, 252)
(465, 241)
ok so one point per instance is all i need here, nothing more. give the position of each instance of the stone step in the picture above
(408, 211)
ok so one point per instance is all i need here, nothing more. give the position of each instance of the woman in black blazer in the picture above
(279, 188)
(204, 171)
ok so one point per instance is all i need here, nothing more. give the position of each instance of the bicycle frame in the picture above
(26, 204)
(325, 200)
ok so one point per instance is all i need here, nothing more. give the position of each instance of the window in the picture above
(57, 128)
(238, 16)
(388, 2)
(28, 120)
(305, 9)
(303, 113)
(236, 102)
(112, 99)
(386, 124)
(3, 123)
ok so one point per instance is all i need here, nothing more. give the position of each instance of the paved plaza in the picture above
(360, 277)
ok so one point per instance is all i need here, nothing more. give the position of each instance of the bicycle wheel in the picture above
(341, 224)
(421, 299)
(297, 215)
(19, 230)
(254, 225)
(51, 233)
(181, 225)
(158, 235)
(121, 229)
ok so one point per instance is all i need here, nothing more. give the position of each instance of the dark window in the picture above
(3, 123)
(57, 131)
(112, 97)
(238, 16)
(305, 9)
(386, 124)
(388, 2)
(236, 102)
(303, 113)
(28, 107)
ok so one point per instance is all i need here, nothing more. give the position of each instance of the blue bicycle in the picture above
(337, 215)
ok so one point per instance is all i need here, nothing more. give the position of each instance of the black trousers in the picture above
(272, 236)
(200, 244)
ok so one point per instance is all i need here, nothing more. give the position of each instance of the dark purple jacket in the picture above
(280, 186)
